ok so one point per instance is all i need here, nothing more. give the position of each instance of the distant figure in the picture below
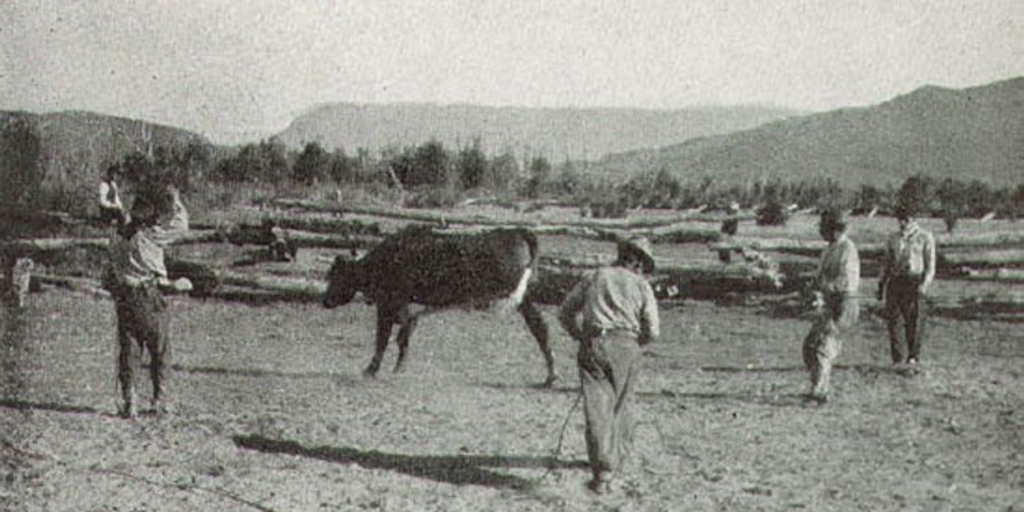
(836, 301)
(19, 279)
(730, 226)
(619, 316)
(139, 278)
(907, 272)
(111, 209)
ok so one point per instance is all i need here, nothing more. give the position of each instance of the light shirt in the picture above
(140, 259)
(911, 253)
(109, 198)
(614, 298)
(839, 269)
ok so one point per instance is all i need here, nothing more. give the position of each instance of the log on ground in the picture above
(999, 258)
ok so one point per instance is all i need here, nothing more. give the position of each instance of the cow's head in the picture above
(343, 281)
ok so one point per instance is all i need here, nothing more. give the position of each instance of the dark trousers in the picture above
(609, 366)
(905, 312)
(142, 324)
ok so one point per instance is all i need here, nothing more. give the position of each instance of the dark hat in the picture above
(641, 247)
(833, 218)
(905, 209)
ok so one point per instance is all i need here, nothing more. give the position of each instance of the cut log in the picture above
(868, 250)
(983, 259)
(992, 239)
(701, 282)
(482, 220)
(1009, 275)
(293, 287)
(76, 284)
(33, 245)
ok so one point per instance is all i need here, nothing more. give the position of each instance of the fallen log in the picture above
(1009, 275)
(294, 287)
(700, 282)
(444, 219)
(992, 239)
(76, 284)
(872, 250)
(984, 259)
(245, 236)
(32, 245)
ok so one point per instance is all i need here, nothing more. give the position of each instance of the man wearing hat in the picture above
(612, 313)
(139, 279)
(836, 299)
(907, 272)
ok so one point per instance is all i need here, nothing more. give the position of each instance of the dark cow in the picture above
(437, 271)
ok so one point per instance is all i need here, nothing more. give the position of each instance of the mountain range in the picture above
(557, 134)
(972, 133)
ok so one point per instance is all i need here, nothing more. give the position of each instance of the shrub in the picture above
(772, 214)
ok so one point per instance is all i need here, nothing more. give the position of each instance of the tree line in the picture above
(437, 176)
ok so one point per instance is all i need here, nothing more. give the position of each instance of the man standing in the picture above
(836, 299)
(907, 273)
(139, 277)
(619, 316)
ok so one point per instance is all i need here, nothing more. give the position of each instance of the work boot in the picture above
(128, 409)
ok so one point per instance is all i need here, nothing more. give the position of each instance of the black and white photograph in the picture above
(494, 255)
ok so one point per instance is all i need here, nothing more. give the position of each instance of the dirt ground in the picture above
(272, 414)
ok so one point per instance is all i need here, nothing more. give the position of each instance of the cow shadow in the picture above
(262, 373)
(752, 369)
(450, 469)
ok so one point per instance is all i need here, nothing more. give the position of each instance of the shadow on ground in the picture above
(259, 372)
(451, 469)
(22, 405)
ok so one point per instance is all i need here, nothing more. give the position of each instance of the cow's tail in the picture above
(531, 243)
(519, 295)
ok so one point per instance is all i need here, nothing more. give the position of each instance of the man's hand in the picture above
(922, 290)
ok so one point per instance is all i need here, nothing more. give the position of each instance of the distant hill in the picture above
(970, 133)
(587, 133)
(62, 155)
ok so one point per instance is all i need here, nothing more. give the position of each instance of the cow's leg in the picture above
(408, 324)
(539, 329)
(385, 322)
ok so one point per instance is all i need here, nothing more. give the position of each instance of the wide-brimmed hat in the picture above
(639, 246)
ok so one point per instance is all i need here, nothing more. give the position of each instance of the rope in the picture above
(561, 436)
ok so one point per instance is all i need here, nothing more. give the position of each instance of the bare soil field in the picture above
(272, 413)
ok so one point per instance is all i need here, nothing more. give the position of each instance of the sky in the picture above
(241, 70)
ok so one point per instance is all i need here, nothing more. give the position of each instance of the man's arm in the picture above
(570, 308)
(887, 263)
(650, 323)
(929, 263)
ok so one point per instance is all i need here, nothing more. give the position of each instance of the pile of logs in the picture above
(985, 256)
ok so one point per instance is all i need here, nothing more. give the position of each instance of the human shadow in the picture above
(23, 405)
(777, 400)
(751, 369)
(451, 469)
(539, 386)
